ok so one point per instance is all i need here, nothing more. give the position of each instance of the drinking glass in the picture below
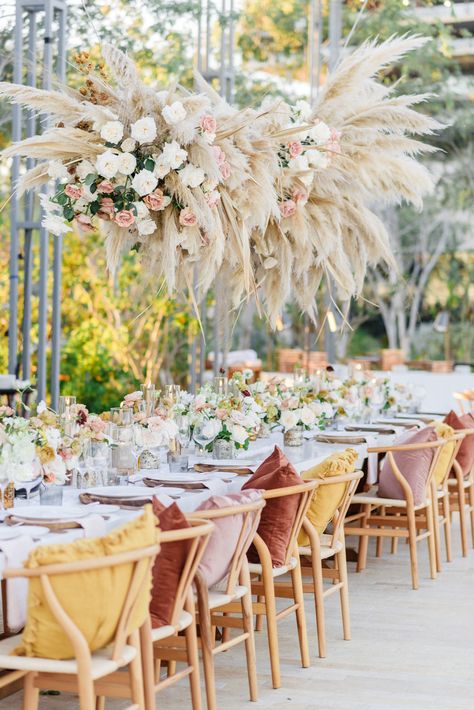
(65, 402)
(184, 430)
(138, 444)
(204, 432)
(51, 494)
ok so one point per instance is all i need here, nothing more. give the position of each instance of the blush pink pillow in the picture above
(414, 466)
(223, 541)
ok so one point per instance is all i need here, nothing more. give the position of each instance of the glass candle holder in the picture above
(65, 402)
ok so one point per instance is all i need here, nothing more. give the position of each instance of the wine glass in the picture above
(84, 463)
(204, 433)
(138, 444)
(184, 430)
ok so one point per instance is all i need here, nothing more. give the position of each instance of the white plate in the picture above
(101, 508)
(130, 491)
(49, 512)
(34, 531)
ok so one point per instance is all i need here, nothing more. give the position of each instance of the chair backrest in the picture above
(465, 400)
(305, 491)
(457, 438)
(350, 481)
(250, 514)
(198, 536)
(141, 560)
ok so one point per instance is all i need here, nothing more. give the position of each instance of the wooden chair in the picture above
(461, 499)
(465, 401)
(396, 518)
(326, 547)
(236, 589)
(263, 582)
(82, 673)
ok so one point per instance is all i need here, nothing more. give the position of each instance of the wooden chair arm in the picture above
(406, 447)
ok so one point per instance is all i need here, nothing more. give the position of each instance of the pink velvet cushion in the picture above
(465, 455)
(223, 541)
(414, 466)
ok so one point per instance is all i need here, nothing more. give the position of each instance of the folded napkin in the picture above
(14, 554)
(93, 525)
(217, 486)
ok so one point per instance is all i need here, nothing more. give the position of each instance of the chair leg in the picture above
(30, 693)
(412, 544)
(363, 542)
(394, 542)
(100, 703)
(344, 593)
(319, 603)
(272, 630)
(259, 617)
(379, 544)
(298, 596)
(447, 527)
(136, 673)
(193, 657)
(436, 528)
(471, 505)
(247, 619)
(206, 644)
(146, 648)
(462, 515)
(431, 539)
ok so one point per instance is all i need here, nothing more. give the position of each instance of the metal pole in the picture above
(14, 210)
(58, 247)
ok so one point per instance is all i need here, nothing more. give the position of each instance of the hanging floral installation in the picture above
(274, 199)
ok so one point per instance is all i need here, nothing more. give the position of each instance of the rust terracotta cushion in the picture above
(465, 455)
(168, 564)
(279, 513)
(413, 465)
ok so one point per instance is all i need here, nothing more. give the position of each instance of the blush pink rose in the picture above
(73, 191)
(107, 208)
(219, 154)
(287, 208)
(295, 148)
(187, 218)
(125, 218)
(300, 196)
(155, 200)
(225, 170)
(105, 186)
(84, 222)
(208, 124)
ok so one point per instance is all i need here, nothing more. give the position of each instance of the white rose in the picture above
(209, 185)
(142, 210)
(327, 410)
(146, 226)
(55, 224)
(320, 133)
(84, 168)
(239, 434)
(57, 170)
(288, 419)
(303, 109)
(174, 113)
(107, 164)
(299, 163)
(191, 176)
(42, 407)
(144, 182)
(112, 131)
(212, 428)
(144, 130)
(307, 416)
(173, 155)
(127, 163)
(317, 158)
(161, 168)
(128, 145)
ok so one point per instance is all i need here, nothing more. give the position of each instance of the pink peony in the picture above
(84, 222)
(219, 154)
(187, 218)
(225, 170)
(213, 198)
(208, 124)
(295, 148)
(300, 196)
(105, 186)
(221, 414)
(287, 208)
(107, 205)
(155, 200)
(125, 218)
(73, 191)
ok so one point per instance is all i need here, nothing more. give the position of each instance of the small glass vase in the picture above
(223, 449)
(149, 459)
(294, 436)
(264, 431)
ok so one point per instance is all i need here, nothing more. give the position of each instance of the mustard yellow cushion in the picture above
(444, 431)
(92, 599)
(326, 499)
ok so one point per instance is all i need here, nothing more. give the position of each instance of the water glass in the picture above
(178, 463)
(51, 494)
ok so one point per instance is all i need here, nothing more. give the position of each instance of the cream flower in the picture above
(299, 163)
(84, 168)
(128, 145)
(57, 170)
(142, 210)
(146, 226)
(144, 130)
(317, 158)
(112, 131)
(307, 416)
(288, 419)
(174, 113)
(303, 109)
(320, 133)
(239, 434)
(107, 164)
(192, 176)
(55, 224)
(162, 168)
(127, 163)
(144, 182)
(173, 155)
